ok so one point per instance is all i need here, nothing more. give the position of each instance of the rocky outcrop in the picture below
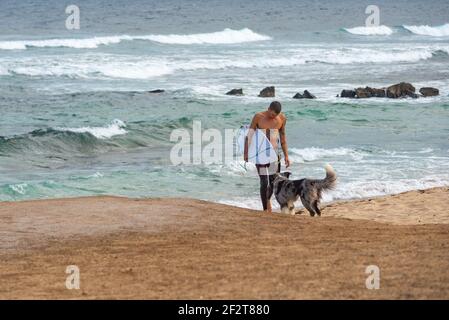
(306, 95)
(347, 94)
(235, 92)
(156, 91)
(377, 93)
(362, 93)
(429, 91)
(369, 92)
(268, 92)
(401, 90)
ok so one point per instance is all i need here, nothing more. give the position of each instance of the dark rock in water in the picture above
(362, 93)
(306, 95)
(347, 94)
(268, 92)
(401, 90)
(369, 92)
(156, 91)
(235, 92)
(429, 92)
(378, 93)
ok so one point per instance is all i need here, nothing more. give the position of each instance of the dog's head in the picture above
(282, 175)
(286, 174)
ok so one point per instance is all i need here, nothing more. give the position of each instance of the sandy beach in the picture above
(192, 249)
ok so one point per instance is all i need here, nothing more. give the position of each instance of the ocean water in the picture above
(76, 117)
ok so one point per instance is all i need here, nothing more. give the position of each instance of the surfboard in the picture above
(260, 150)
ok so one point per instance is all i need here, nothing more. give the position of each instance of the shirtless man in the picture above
(273, 122)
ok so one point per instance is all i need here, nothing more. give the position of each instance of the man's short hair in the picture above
(275, 106)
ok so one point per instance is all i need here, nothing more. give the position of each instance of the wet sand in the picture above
(191, 249)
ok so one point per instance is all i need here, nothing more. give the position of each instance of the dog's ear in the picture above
(286, 174)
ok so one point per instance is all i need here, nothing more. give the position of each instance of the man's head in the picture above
(274, 109)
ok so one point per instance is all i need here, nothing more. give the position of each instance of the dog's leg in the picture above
(306, 205)
(317, 208)
(284, 209)
(291, 207)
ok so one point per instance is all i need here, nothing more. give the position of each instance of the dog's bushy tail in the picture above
(330, 181)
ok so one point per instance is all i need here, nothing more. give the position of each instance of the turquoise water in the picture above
(76, 117)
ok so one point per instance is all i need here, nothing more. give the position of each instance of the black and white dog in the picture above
(308, 190)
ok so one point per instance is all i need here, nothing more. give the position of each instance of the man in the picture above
(273, 123)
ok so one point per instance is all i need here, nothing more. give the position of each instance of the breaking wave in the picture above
(102, 65)
(370, 31)
(227, 36)
(425, 30)
(117, 127)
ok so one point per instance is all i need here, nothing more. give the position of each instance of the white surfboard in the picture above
(260, 150)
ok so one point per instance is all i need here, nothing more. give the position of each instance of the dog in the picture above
(308, 190)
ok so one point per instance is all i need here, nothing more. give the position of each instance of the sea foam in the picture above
(87, 43)
(314, 153)
(115, 128)
(103, 65)
(227, 36)
(351, 190)
(425, 30)
(370, 31)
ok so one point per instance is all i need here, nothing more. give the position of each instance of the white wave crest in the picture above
(115, 128)
(227, 36)
(371, 31)
(359, 55)
(143, 70)
(313, 154)
(87, 43)
(365, 189)
(425, 30)
(104, 65)
(88, 66)
(96, 175)
(19, 188)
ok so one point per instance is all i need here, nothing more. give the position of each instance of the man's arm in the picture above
(284, 142)
(249, 137)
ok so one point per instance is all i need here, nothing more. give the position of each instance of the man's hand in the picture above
(287, 162)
